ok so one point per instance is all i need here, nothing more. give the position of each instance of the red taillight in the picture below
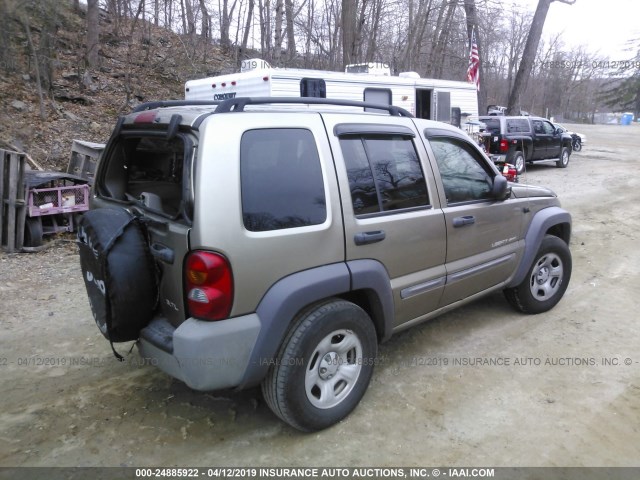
(208, 285)
(504, 146)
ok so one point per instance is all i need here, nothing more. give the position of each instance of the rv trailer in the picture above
(442, 100)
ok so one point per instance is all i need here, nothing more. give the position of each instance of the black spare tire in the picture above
(118, 272)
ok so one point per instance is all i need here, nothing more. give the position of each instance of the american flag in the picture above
(473, 72)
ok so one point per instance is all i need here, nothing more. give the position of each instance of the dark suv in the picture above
(247, 243)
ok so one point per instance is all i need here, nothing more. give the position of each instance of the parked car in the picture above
(522, 139)
(578, 139)
(278, 247)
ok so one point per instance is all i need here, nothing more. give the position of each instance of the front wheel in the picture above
(563, 161)
(323, 367)
(546, 280)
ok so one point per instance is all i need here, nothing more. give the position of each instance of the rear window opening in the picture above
(149, 170)
(493, 125)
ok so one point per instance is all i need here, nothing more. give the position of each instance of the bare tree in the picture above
(529, 54)
(291, 34)
(43, 114)
(349, 22)
(277, 40)
(206, 20)
(93, 32)
(443, 28)
(226, 15)
(247, 26)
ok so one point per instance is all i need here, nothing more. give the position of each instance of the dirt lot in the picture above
(569, 395)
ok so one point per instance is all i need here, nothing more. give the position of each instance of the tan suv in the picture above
(278, 242)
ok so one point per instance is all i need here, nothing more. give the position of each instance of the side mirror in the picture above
(500, 189)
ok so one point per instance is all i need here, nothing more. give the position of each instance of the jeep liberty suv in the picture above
(278, 241)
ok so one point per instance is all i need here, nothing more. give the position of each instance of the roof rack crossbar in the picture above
(172, 103)
(239, 103)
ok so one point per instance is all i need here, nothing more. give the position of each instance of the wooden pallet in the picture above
(84, 158)
(12, 200)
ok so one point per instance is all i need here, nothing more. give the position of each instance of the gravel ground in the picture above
(566, 391)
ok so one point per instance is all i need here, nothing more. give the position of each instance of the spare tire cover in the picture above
(118, 272)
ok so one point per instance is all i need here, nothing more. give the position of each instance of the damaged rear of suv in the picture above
(279, 245)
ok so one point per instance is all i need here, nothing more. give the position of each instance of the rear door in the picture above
(390, 207)
(483, 234)
(150, 175)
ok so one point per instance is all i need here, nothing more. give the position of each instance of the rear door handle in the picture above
(365, 238)
(462, 221)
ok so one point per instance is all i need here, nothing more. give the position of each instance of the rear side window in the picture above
(281, 180)
(518, 125)
(384, 174)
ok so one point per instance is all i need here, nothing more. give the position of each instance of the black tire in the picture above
(518, 162)
(577, 145)
(323, 367)
(563, 161)
(547, 279)
(33, 232)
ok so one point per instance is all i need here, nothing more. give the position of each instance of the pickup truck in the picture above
(518, 140)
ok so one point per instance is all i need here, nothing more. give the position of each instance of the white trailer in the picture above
(442, 100)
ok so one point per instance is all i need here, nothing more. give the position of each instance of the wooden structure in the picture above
(12, 200)
(84, 158)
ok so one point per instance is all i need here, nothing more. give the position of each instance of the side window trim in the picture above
(344, 129)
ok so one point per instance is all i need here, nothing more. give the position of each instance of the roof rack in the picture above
(172, 103)
(237, 104)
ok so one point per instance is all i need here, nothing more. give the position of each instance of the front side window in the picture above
(281, 180)
(464, 177)
(538, 127)
(548, 128)
(384, 173)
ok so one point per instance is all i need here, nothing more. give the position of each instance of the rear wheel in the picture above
(563, 161)
(33, 232)
(323, 367)
(546, 280)
(518, 162)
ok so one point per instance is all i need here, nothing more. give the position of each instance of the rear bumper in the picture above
(204, 355)
(498, 158)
